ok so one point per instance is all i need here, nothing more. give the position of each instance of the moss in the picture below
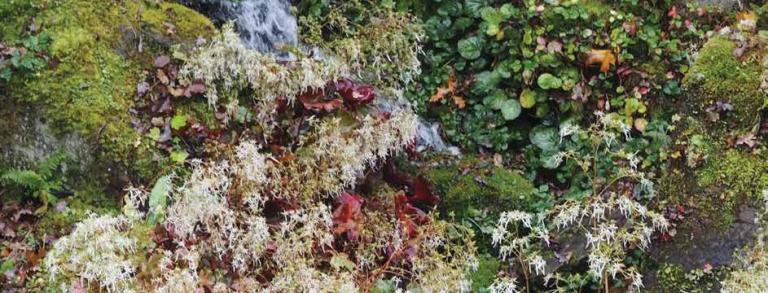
(486, 272)
(58, 223)
(718, 75)
(739, 174)
(187, 23)
(100, 48)
(473, 184)
(674, 278)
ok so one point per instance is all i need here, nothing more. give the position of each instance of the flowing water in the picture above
(266, 25)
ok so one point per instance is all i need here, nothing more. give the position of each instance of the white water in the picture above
(265, 25)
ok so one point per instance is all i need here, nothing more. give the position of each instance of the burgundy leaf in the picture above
(347, 214)
(315, 100)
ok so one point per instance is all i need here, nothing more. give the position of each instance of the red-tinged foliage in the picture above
(417, 188)
(409, 216)
(347, 215)
(354, 95)
(316, 100)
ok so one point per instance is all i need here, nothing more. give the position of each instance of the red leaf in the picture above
(417, 188)
(353, 94)
(315, 100)
(347, 214)
(672, 12)
(195, 89)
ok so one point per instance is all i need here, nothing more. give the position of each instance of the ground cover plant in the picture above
(386, 146)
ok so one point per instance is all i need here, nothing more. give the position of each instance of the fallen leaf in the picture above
(315, 100)
(748, 140)
(459, 101)
(354, 94)
(605, 58)
(449, 89)
(142, 88)
(162, 77)
(672, 12)
(162, 61)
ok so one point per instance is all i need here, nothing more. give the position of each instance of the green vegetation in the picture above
(100, 50)
(720, 76)
(42, 182)
(588, 132)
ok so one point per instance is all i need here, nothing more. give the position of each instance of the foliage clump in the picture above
(378, 42)
(610, 214)
(277, 211)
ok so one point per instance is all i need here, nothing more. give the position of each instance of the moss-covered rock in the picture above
(739, 174)
(718, 75)
(99, 50)
(472, 184)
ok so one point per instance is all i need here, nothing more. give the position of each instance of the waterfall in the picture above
(265, 25)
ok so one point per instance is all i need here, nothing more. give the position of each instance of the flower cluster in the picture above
(230, 68)
(609, 219)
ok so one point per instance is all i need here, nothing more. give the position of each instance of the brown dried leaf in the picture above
(748, 140)
(444, 91)
(460, 102)
(605, 58)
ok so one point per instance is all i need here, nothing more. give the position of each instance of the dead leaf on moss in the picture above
(605, 58)
(748, 140)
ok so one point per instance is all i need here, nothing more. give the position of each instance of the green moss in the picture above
(188, 24)
(674, 278)
(486, 272)
(738, 174)
(58, 223)
(718, 75)
(101, 48)
(473, 184)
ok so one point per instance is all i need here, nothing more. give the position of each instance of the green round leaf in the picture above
(510, 109)
(495, 100)
(527, 98)
(549, 81)
(469, 48)
(546, 138)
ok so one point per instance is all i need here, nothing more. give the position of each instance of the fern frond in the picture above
(28, 179)
(47, 167)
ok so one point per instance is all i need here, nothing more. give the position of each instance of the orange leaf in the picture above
(459, 101)
(746, 15)
(444, 91)
(603, 57)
